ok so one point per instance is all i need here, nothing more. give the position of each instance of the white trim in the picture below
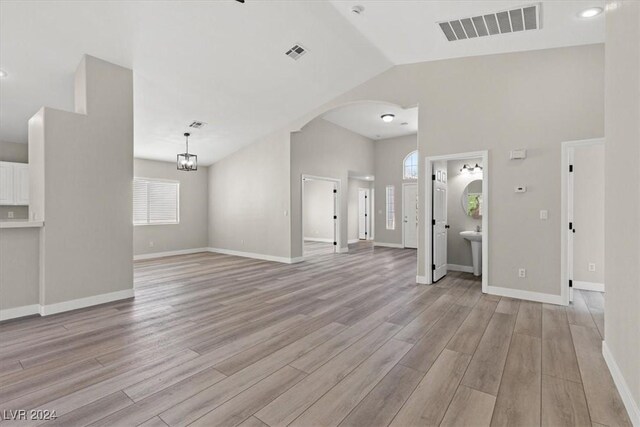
(367, 211)
(342, 250)
(169, 253)
(388, 245)
(46, 310)
(621, 385)
(404, 186)
(352, 241)
(16, 223)
(526, 295)
(428, 214)
(317, 239)
(254, 255)
(566, 250)
(588, 286)
(458, 267)
(422, 280)
(25, 310)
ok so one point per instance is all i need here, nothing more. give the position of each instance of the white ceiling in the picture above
(364, 118)
(223, 62)
(220, 62)
(406, 30)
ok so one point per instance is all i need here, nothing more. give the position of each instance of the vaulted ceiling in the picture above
(224, 63)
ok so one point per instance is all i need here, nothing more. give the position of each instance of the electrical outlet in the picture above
(592, 266)
(10, 214)
(151, 244)
(522, 273)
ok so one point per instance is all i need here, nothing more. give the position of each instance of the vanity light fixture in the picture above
(466, 168)
(187, 162)
(590, 12)
(388, 118)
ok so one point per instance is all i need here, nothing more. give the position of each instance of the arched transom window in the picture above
(410, 166)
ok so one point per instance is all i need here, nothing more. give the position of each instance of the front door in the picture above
(440, 222)
(410, 215)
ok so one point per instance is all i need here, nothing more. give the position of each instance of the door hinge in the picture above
(335, 191)
(571, 226)
(570, 283)
(433, 267)
(335, 217)
(335, 243)
(433, 177)
(365, 214)
(570, 168)
(433, 222)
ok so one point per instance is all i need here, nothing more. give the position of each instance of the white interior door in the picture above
(410, 215)
(439, 266)
(363, 214)
(572, 228)
(7, 196)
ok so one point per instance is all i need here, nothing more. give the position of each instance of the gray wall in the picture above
(19, 267)
(622, 191)
(192, 231)
(389, 155)
(318, 210)
(588, 213)
(81, 172)
(17, 153)
(459, 249)
(249, 200)
(330, 151)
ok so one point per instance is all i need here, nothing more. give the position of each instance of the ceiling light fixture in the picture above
(387, 118)
(187, 162)
(466, 168)
(591, 12)
(3, 74)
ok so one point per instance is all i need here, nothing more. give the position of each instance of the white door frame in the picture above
(404, 184)
(336, 210)
(428, 212)
(566, 214)
(367, 219)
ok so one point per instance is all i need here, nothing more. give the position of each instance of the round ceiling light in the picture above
(387, 118)
(3, 74)
(591, 12)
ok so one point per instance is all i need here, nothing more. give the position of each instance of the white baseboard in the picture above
(588, 286)
(388, 245)
(46, 310)
(462, 268)
(25, 310)
(318, 239)
(621, 385)
(423, 280)
(256, 255)
(342, 250)
(352, 241)
(169, 253)
(526, 295)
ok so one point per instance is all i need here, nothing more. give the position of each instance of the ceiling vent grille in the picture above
(197, 124)
(296, 52)
(509, 21)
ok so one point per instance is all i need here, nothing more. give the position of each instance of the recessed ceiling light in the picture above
(591, 12)
(3, 74)
(388, 118)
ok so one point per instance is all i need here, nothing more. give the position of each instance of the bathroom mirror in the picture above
(472, 199)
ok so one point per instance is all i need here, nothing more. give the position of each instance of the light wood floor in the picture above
(349, 340)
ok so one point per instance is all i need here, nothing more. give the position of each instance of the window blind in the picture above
(155, 201)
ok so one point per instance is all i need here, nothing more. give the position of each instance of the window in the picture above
(155, 201)
(410, 166)
(391, 208)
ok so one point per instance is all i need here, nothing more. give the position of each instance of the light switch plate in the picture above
(544, 214)
(10, 214)
(520, 189)
(518, 154)
(592, 266)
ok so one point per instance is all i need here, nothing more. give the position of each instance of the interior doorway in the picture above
(320, 222)
(583, 217)
(364, 214)
(457, 216)
(410, 215)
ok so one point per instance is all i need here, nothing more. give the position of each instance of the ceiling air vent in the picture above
(296, 52)
(196, 124)
(508, 21)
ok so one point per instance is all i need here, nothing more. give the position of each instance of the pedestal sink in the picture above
(475, 237)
